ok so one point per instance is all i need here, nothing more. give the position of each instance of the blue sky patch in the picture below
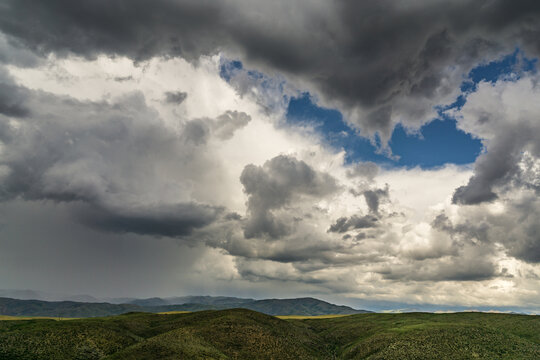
(516, 64)
(335, 132)
(227, 68)
(437, 143)
(440, 143)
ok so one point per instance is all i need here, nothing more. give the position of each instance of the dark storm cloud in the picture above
(98, 154)
(43, 152)
(374, 197)
(527, 247)
(517, 228)
(276, 184)
(363, 169)
(492, 168)
(226, 124)
(123, 78)
(442, 222)
(381, 62)
(175, 97)
(11, 101)
(461, 269)
(13, 52)
(164, 220)
(12, 98)
(513, 137)
(199, 131)
(466, 232)
(133, 28)
(469, 261)
(344, 224)
(529, 173)
(196, 132)
(300, 245)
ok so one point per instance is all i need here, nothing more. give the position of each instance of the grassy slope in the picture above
(304, 317)
(244, 334)
(231, 334)
(234, 334)
(430, 336)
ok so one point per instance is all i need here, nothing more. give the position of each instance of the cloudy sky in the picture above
(361, 152)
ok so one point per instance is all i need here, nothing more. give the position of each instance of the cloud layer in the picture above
(117, 128)
(381, 63)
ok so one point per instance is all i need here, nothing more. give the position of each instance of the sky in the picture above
(383, 155)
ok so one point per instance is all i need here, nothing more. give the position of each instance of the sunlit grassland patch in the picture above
(302, 317)
(173, 312)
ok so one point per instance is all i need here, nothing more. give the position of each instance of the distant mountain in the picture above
(15, 307)
(155, 301)
(210, 300)
(122, 300)
(81, 298)
(302, 306)
(203, 300)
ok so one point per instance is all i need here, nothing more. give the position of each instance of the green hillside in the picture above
(245, 334)
(238, 333)
(431, 336)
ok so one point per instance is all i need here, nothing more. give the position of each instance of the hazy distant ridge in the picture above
(301, 306)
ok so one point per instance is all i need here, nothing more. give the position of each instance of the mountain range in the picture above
(300, 306)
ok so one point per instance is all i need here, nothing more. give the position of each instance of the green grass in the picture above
(431, 336)
(245, 334)
(174, 312)
(303, 317)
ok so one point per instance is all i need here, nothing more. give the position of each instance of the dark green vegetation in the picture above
(302, 306)
(244, 334)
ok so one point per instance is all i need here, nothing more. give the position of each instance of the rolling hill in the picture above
(245, 334)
